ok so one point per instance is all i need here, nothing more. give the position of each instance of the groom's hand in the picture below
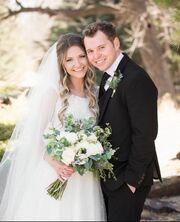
(133, 189)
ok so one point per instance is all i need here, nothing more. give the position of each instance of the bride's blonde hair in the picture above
(63, 44)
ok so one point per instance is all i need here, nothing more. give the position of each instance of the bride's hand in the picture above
(63, 171)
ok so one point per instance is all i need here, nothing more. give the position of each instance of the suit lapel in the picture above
(123, 63)
(101, 90)
(103, 102)
(104, 99)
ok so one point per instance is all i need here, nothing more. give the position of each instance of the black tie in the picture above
(103, 83)
(104, 79)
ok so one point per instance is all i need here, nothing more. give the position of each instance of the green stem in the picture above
(56, 189)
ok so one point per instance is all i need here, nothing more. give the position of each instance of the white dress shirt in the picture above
(112, 69)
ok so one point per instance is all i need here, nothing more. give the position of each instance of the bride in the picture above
(66, 85)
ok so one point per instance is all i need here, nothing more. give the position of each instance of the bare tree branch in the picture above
(18, 3)
(69, 13)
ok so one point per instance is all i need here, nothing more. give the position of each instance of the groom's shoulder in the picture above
(135, 71)
(137, 74)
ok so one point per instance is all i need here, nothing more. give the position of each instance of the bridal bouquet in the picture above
(81, 145)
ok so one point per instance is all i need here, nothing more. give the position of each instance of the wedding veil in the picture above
(26, 144)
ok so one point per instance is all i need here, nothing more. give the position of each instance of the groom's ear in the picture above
(116, 43)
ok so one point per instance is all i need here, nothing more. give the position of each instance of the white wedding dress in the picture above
(82, 199)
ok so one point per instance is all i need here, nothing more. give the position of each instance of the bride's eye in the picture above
(68, 60)
(83, 56)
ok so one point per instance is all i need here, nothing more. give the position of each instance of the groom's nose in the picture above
(97, 54)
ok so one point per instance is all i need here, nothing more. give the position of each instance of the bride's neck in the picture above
(77, 87)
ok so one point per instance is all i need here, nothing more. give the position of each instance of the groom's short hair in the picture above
(106, 27)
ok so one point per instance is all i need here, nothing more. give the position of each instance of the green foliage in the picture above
(56, 31)
(72, 125)
(9, 89)
(5, 134)
(3, 145)
(174, 5)
(5, 131)
(106, 17)
(77, 25)
(168, 3)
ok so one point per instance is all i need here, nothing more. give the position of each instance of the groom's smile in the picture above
(101, 51)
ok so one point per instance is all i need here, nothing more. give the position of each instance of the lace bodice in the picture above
(78, 107)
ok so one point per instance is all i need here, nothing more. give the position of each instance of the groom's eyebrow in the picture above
(98, 46)
(88, 50)
(101, 45)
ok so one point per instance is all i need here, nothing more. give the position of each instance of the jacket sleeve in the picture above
(141, 98)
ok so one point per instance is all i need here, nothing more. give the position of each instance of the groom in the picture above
(128, 102)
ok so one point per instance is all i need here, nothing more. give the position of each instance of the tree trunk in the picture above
(155, 63)
(150, 49)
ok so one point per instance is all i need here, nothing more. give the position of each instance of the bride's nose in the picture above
(77, 63)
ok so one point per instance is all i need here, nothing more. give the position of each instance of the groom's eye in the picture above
(89, 51)
(102, 47)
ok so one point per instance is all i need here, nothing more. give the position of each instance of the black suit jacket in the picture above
(132, 115)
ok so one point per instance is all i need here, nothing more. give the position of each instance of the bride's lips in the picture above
(79, 70)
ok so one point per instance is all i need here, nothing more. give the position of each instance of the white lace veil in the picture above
(26, 145)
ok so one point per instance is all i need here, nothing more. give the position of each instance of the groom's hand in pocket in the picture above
(133, 189)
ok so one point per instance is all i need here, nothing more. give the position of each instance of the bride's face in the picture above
(75, 62)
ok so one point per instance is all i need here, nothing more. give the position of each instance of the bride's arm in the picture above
(49, 102)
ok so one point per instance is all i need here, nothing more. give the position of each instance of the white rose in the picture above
(58, 137)
(68, 156)
(82, 156)
(71, 137)
(83, 136)
(92, 138)
(82, 145)
(94, 148)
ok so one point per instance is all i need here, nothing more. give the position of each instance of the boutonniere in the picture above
(113, 83)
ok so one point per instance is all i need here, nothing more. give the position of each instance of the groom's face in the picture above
(101, 51)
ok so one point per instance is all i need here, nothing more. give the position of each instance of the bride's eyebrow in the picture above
(71, 57)
(68, 57)
(82, 54)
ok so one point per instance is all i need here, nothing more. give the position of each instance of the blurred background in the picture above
(149, 31)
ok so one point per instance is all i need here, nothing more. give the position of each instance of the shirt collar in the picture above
(114, 66)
